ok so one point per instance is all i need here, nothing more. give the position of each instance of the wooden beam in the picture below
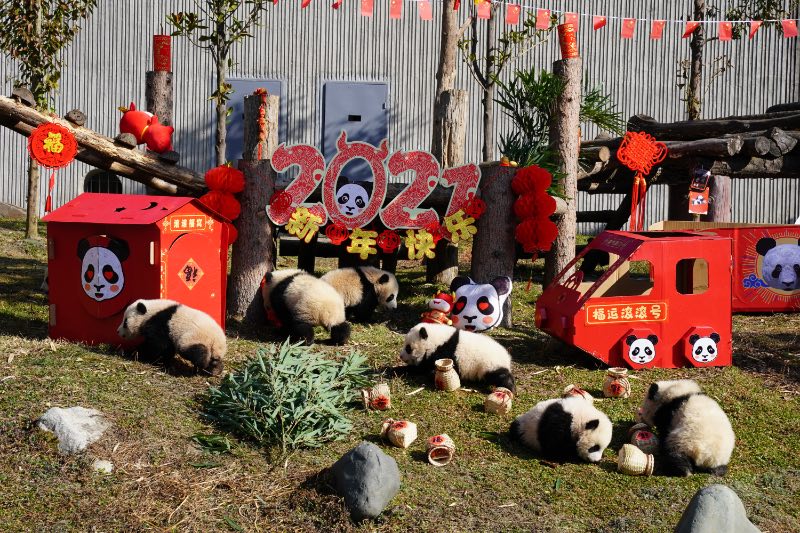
(791, 106)
(689, 130)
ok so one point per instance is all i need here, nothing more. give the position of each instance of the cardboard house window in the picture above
(691, 276)
(631, 278)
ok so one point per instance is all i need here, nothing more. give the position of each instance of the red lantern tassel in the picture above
(48, 204)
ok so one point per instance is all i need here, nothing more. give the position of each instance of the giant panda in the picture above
(564, 429)
(301, 301)
(780, 266)
(364, 288)
(169, 327)
(475, 357)
(695, 433)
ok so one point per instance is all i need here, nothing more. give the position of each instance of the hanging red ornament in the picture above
(475, 207)
(52, 146)
(281, 204)
(388, 241)
(223, 203)
(233, 233)
(531, 179)
(534, 205)
(639, 152)
(435, 229)
(226, 179)
(337, 233)
(536, 235)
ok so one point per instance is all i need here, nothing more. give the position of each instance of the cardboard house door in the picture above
(193, 273)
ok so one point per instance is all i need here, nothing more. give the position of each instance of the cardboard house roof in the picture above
(102, 208)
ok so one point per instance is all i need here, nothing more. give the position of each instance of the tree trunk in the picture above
(695, 88)
(222, 108)
(719, 209)
(565, 141)
(254, 252)
(678, 202)
(488, 94)
(158, 95)
(493, 247)
(445, 75)
(32, 210)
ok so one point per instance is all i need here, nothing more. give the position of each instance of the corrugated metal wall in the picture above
(306, 48)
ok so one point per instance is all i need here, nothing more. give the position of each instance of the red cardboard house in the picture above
(664, 301)
(107, 250)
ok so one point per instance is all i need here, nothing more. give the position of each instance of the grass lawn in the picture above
(164, 481)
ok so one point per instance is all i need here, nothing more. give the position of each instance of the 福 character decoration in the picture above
(53, 146)
(439, 309)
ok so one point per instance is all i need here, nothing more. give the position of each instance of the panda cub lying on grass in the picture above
(168, 327)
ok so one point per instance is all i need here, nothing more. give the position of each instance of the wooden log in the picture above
(720, 204)
(565, 141)
(757, 146)
(158, 95)
(255, 251)
(13, 115)
(596, 153)
(306, 257)
(251, 128)
(702, 129)
(781, 142)
(622, 213)
(596, 216)
(713, 147)
(791, 106)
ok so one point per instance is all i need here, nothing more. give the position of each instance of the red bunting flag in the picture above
(305, 4)
(598, 22)
(571, 18)
(725, 31)
(424, 9)
(456, 5)
(512, 14)
(690, 27)
(657, 29)
(485, 10)
(542, 19)
(628, 25)
(366, 8)
(789, 28)
(337, 4)
(754, 25)
(395, 9)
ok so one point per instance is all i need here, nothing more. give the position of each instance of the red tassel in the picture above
(48, 204)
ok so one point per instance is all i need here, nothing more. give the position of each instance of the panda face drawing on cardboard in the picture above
(641, 351)
(352, 198)
(780, 264)
(704, 349)
(102, 275)
(479, 307)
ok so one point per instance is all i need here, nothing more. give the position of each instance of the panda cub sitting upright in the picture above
(363, 289)
(564, 428)
(168, 327)
(475, 357)
(695, 433)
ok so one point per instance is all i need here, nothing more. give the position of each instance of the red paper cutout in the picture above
(754, 25)
(657, 29)
(312, 168)
(542, 19)
(403, 211)
(725, 31)
(598, 22)
(388, 241)
(465, 180)
(690, 27)
(337, 233)
(475, 208)
(512, 14)
(628, 26)
(52, 145)
(435, 230)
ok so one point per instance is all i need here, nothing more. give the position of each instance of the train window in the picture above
(691, 276)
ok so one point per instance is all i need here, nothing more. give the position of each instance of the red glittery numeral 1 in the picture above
(465, 180)
(312, 168)
(347, 152)
(403, 211)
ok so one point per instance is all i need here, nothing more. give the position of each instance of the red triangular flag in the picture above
(754, 25)
(512, 14)
(725, 31)
(395, 9)
(657, 29)
(542, 19)
(628, 25)
(789, 28)
(305, 4)
(366, 8)
(424, 9)
(571, 18)
(456, 4)
(336, 4)
(690, 27)
(598, 22)
(485, 10)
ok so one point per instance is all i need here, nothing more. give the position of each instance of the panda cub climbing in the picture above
(564, 428)
(476, 357)
(363, 289)
(169, 327)
(695, 433)
(300, 301)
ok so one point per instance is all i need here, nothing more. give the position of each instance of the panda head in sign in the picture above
(352, 198)
(704, 349)
(102, 275)
(641, 350)
(780, 266)
(479, 306)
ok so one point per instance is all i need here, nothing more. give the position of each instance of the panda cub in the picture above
(169, 328)
(695, 433)
(564, 428)
(476, 357)
(363, 289)
(300, 301)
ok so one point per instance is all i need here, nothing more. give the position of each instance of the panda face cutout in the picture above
(780, 264)
(352, 199)
(641, 351)
(704, 349)
(102, 275)
(479, 307)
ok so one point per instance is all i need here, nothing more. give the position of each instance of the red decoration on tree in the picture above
(337, 233)
(475, 208)
(435, 229)
(226, 179)
(158, 137)
(233, 233)
(388, 241)
(534, 205)
(640, 152)
(134, 121)
(280, 203)
(536, 234)
(223, 203)
(531, 179)
(52, 146)
(162, 55)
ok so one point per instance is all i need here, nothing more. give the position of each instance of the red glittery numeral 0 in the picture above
(403, 211)
(465, 180)
(312, 168)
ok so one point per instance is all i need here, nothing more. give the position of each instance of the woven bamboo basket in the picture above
(635, 462)
(441, 450)
(400, 433)
(499, 401)
(574, 390)
(446, 377)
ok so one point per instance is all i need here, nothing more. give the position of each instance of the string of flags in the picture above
(544, 17)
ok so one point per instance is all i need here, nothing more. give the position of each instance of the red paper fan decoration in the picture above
(337, 233)
(536, 234)
(531, 179)
(388, 241)
(223, 203)
(226, 179)
(536, 205)
(281, 202)
(475, 207)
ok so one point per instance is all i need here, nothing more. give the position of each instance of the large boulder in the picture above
(75, 427)
(367, 479)
(714, 509)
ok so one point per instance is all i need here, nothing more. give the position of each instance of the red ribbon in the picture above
(638, 195)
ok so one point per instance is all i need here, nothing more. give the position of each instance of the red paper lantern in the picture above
(337, 233)
(536, 235)
(52, 145)
(223, 203)
(388, 241)
(226, 179)
(475, 207)
(534, 205)
(531, 179)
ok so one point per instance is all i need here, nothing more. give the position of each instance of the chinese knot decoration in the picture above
(52, 146)
(533, 207)
(640, 152)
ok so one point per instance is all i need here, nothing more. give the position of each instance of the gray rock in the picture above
(367, 479)
(76, 116)
(11, 211)
(714, 509)
(126, 139)
(76, 427)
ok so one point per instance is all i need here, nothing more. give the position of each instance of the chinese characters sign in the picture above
(626, 312)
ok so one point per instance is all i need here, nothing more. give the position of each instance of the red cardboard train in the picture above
(667, 297)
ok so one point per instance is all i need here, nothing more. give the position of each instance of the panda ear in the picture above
(694, 338)
(653, 339)
(502, 284)
(651, 393)
(765, 245)
(120, 248)
(714, 337)
(383, 279)
(458, 282)
(423, 333)
(592, 424)
(630, 339)
(83, 247)
(141, 308)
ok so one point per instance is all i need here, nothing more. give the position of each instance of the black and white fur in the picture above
(476, 357)
(564, 429)
(695, 433)
(169, 327)
(363, 289)
(302, 301)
